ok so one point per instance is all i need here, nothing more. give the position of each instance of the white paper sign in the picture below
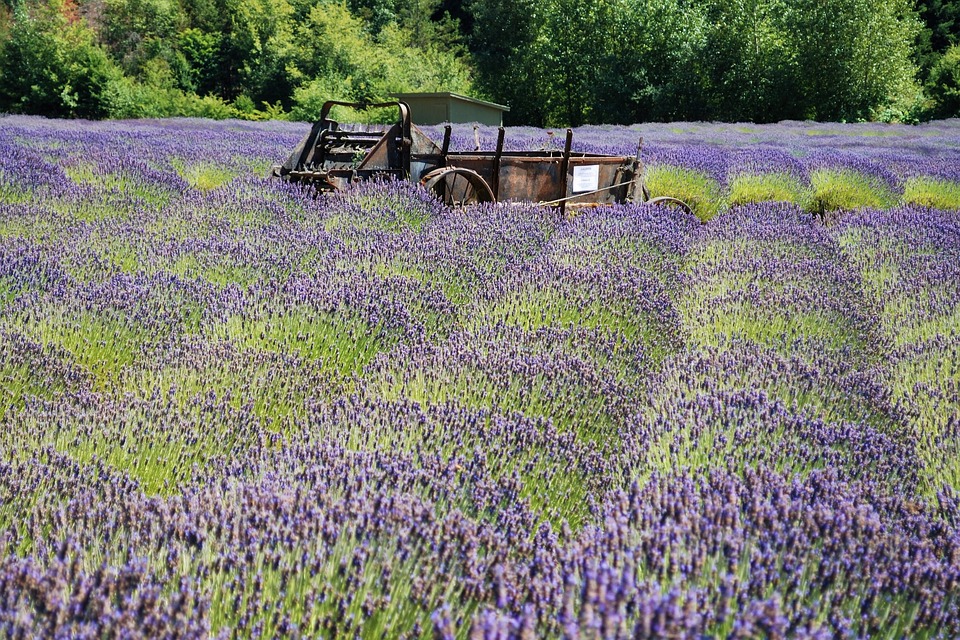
(586, 178)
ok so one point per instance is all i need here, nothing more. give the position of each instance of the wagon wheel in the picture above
(458, 187)
(671, 202)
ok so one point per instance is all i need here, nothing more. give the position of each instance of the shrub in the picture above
(944, 84)
(773, 187)
(698, 190)
(930, 192)
(843, 190)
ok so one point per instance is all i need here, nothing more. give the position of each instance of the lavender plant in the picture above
(229, 408)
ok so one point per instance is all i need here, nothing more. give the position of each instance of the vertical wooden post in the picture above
(495, 186)
(564, 167)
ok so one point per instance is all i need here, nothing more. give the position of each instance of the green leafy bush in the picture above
(843, 190)
(698, 190)
(939, 194)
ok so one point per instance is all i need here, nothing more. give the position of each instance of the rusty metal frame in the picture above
(404, 152)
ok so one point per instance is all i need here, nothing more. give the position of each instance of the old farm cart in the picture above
(330, 157)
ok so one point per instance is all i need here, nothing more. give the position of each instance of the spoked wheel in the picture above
(671, 202)
(458, 187)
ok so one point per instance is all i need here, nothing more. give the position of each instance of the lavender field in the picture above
(231, 409)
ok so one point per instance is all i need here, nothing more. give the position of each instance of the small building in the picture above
(436, 108)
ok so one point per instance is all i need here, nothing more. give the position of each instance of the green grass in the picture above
(931, 192)
(29, 370)
(606, 252)
(272, 389)
(747, 188)
(830, 190)
(340, 341)
(532, 308)
(214, 269)
(84, 173)
(100, 343)
(778, 329)
(458, 286)
(571, 406)
(555, 488)
(698, 190)
(844, 190)
(204, 176)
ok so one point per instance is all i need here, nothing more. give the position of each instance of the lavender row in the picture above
(241, 411)
(314, 539)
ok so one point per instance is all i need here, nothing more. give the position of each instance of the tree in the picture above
(849, 57)
(53, 68)
(941, 30)
(747, 62)
(31, 66)
(260, 43)
(943, 84)
(650, 67)
(507, 58)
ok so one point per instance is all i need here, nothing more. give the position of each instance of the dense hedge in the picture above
(558, 62)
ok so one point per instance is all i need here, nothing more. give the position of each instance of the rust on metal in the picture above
(329, 157)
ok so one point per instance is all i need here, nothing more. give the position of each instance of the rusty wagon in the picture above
(330, 157)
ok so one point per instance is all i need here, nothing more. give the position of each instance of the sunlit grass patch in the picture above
(108, 330)
(926, 380)
(907, 321)
(614, 252)
(832, 394)
(103, 344)
(698, 190)
(844, 190)
(783, 330)
(7, 293)
(726, 254)
(875, 257)
(533, 307)
(218, 270)
(118, 181)
(373, 215)
(282, 583)
(12, 194)
(341, 341)
(159, 444)
(746, 430)
(573, 403)
(530, 448)
(459, 285)
(272, 387)
(394, 213)
(932, 192)
(204, 176)
(28, 370)
(746, 188)
(941, 461)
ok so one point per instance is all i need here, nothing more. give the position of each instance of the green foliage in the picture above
(698, 190)
(558, 62)
(345, 62)
(769, 187)
(749, 67)
(943, 84)
(930, 192)
(504, 47)
(53, 68)
(128, 98)
(31, 65)
(651, 80)
(201, 51)
(844, 190)
(941, 30)
(849, 57)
